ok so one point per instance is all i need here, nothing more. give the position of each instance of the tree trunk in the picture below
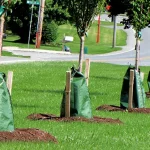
(137, 53)
(81, 55)
(2, 20)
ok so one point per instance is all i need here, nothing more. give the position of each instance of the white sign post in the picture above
(31, 2)
(34, 2)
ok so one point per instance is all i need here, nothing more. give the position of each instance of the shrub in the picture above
(49, 33)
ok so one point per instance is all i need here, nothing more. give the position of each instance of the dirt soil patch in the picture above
(117, 108)
(52, 117)
(28, 135)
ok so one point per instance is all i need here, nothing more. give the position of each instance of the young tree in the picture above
(82, 13)
(3, 7)
(139, 18)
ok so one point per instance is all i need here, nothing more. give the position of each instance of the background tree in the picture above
(55, 12)
(3, 7)
(82, 13)
(138, 12)
(49, 33)
(139, 18)
(20, 13)
(118, 6)
(19, 20)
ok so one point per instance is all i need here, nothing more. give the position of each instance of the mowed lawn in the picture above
(104, 46)
(106, 37)
(38, 88)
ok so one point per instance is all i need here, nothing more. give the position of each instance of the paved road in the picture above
(124, 57)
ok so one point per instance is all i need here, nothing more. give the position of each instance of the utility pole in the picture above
(98, 31)
(30, 24)
(40, 24)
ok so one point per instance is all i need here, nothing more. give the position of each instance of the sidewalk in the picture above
(11, 49)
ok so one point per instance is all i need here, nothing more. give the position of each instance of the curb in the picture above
(11, 49)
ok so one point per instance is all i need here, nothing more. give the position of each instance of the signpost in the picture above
(31, 2)
(34, 2)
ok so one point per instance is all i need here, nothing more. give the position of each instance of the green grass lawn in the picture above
(5, 53)
(104, 46)
(38, 88)
(108, 23)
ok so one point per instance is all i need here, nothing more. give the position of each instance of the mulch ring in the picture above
(52, 117)
(117, 108)
(27, 135)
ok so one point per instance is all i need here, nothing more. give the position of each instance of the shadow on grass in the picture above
(104, 77)
(44, 91)
(28, 106)
(32, 106)
(98, 93)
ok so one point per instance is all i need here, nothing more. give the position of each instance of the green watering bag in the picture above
(6, 114)
(79, 99)
(138, 90)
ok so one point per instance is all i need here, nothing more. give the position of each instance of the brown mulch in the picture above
(117, 108)
(27, 135)
(70, 119)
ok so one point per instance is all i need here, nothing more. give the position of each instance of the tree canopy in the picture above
(138, 12)
(19, 14)
(82, 13)
(118, 6)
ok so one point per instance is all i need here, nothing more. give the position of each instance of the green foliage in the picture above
(118, 6)
(55, 12)
(138, 12)
(49, 33)
(19, 20)
(8, 3)
(82, 13)
(140, 15)
(19, 14)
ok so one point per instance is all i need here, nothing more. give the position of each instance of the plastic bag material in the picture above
(138, 90)
(6, 114)
(79, 98)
